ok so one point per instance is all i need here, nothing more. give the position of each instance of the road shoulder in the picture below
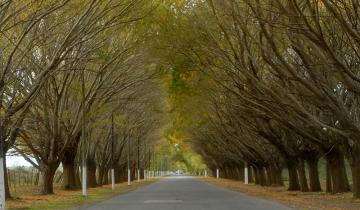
(295, 200)
(73, 199)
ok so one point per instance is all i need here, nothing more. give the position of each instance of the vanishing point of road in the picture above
(184, 193)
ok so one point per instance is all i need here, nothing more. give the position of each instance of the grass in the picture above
(70, 199)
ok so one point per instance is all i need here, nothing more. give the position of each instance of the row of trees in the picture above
(275, 84)
(74, 85)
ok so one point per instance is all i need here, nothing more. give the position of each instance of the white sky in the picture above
(12, 161)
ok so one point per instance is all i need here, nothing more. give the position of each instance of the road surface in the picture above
(185, 193)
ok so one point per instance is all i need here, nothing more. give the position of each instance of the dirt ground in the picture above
(296, 200)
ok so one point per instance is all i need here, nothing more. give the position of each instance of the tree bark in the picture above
(293, 176)
(119, 173)
(100, 180)
(355, 170)
(69, 172)
(276, 179)
(314, 174)
(91, 177)
(240, 171)
(250, 174)
(105, 177)
(302, 176)
(328, 178)
(256, 174)
(91, 172)
(47, 174)
(339, 179)
(6, 180)
(269, 175)
(262, 176)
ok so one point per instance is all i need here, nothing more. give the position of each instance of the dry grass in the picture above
(70, 199)
(296, 200)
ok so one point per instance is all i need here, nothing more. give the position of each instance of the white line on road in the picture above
(163, 201)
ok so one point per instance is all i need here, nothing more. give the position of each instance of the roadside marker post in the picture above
(112, 179)
(129, 177)
(246, 174)
(138, 175)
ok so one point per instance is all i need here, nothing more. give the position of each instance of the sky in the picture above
(13, 161)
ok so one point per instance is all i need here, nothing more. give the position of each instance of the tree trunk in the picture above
(91, 177)
(240, 171)
(276, 179)
(250, 174)
(77, 177)
(355, 170)
(105, 177)
(100, 180)
(262, 176)
(225, 173)
(314, 174)
(91, 172)
(293, 176)
(302, 176)
(345, 179)
(256, 174)
(47, 174)
(328, 178)
(339, 179)
(133, 172)
(6, 180)
(120, 174)
(69, 172)
(269, 175)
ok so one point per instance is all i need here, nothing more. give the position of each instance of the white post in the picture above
(2, 183)
(205, 173)
(217, 173)
(84, 181)
(246, 174)
(112, 179)
(138, 175)
(129, 177)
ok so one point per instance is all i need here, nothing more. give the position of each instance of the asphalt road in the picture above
(185, 193)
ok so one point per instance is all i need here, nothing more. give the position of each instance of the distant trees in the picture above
(278, 83)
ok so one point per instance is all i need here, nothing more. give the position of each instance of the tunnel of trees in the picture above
(272, 85)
